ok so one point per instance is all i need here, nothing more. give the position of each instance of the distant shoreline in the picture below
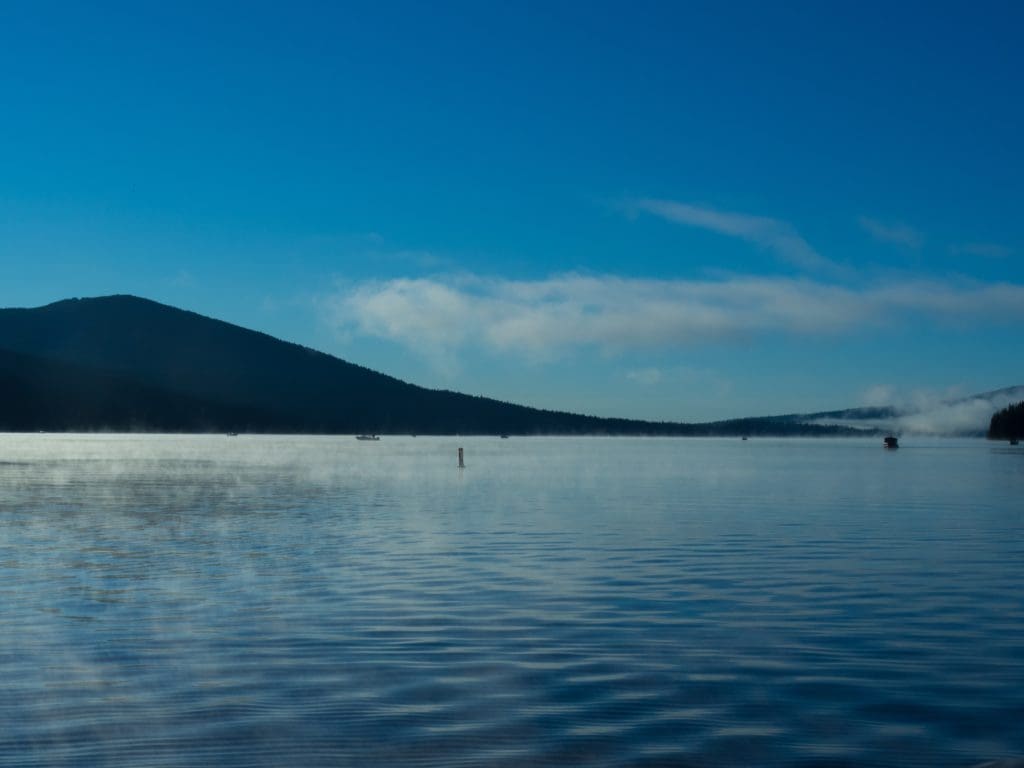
(116, 432)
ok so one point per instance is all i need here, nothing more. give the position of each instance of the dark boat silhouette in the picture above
(367, 437)
(891, 443)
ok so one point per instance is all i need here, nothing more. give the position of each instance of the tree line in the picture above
(1007, 424)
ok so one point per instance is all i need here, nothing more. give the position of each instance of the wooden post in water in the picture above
(461, 464)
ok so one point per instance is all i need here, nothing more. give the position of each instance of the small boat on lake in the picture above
(891, 443)
(367, 437)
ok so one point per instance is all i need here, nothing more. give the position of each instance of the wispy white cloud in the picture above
(985, 250)
(537, 319)
(878, 396)
(183, 279)
(646, 376)
(681, 378)
(912, 401)
(780, 237)
(895, 233)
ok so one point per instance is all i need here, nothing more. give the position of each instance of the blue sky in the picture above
(658, 210)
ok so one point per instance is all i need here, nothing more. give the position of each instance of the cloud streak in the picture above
(893, 234)
(984, 250)
(646, 376)
(537, 319)
(777, 236)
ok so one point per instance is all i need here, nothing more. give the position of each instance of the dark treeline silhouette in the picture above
(122, 363)
(1007, 424)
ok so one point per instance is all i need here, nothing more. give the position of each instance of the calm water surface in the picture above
(264, 601)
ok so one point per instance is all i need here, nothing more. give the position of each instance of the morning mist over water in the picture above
(183, 600)
(621, 300)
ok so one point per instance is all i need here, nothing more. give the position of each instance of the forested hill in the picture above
(126, 363)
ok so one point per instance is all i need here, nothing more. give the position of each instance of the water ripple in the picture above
(182, 601)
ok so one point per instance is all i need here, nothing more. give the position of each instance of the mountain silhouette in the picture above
(126, 363)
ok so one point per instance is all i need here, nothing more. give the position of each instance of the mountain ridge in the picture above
(124, 362)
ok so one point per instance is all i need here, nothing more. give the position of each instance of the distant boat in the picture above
(504, 437)
(744, 437)
(1014, 441)
(891, 442)
(367, 437)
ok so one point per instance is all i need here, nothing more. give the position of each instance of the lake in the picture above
(319, 601)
